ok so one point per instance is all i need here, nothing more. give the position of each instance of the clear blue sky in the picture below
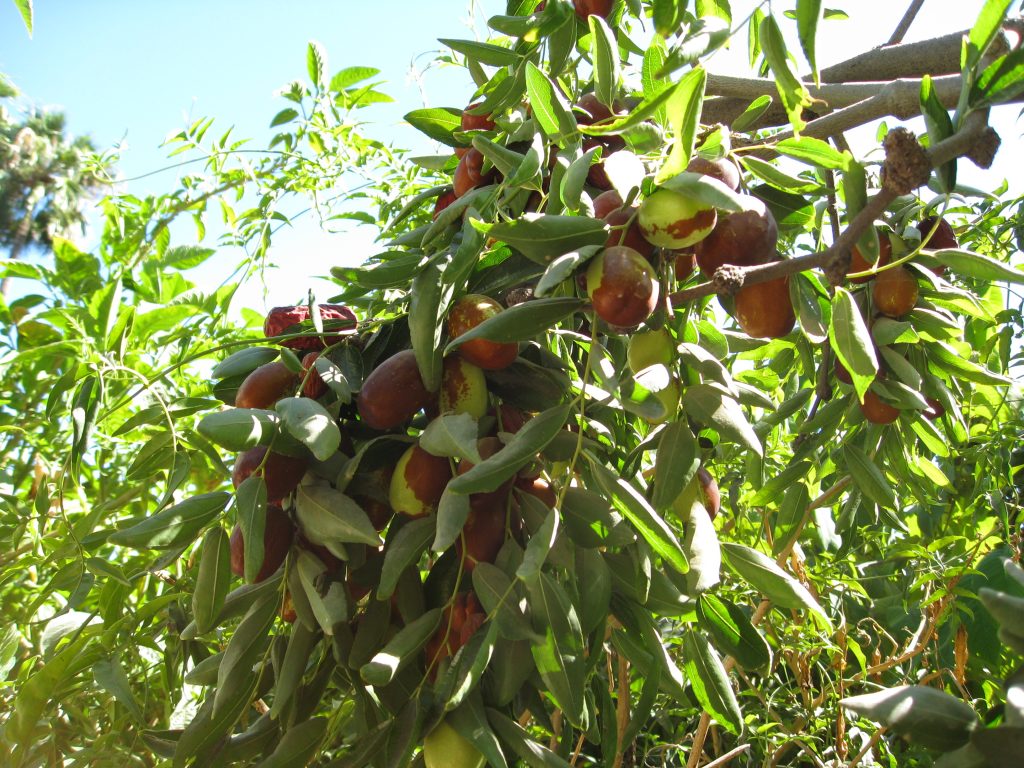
(140, 69)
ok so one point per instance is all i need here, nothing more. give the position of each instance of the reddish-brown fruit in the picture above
(895, 292)
(283, 320)
(596, 175)
(313, 386)
(266, 385)
(418, 482)
(606, 203)
(281, 473)
(467, 313)
(590, 109)
(841, 373)
(472, 122)
(935, 409)
(630, 236)
(277, 539)
(379, 512)
(944, 236)
(859, 264)
(540, 488)
(460, 620)
(586, 8)
(511, 419)
(622, 286)
(484, 532)
(712, 497)
(764, 310)
(469, 172)
(287, 612)
(461, 151)
(744, 239)
(876, 410)
(393, 392)
(722, 169)
(445, 199)
(685, 263)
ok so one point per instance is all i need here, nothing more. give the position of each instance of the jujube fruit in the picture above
(393, 392)
(463, 387)
(685, 263)
(444, 747)
(935, 409)
(625, 230)
(744, 238)
(313, 386)
(484, 532)
(469, 172)
(266, 385)
(607, 202)
(944, 237)
(764, 310)
(859, 264)
(647, 348)
(585, 8)
(622, 286)
(283, 320)
(721, 169)
(672, 220)
(876, 410)
(539, 488)
(281, 473)
(277, 540)
(467, 313)
(701, 487)
(471, 122)
(445, 199)
(895, 291)
(418, 482)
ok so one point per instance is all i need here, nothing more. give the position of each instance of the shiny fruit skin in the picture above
(876, 410)
(743, 238)
(444, 747)
(539, 488)
(281, 473)
(895, 292)
(266, 385)
(463, 388)
(630, 236)
(671, 220)
(468, 312)
(944, 236)
(277, 540)
(721, 169)
(764, 310)
(280, 321)
(859, 264)
(445, 199)
(596, 175)
(314, 386)
(586, 8)
(669, 398)
(622, 286)
(935, 410)
(606, 203)
(590, 109)
(472, 122)
(393, 392)
(418, 482)
(647, 348)
(469, 172)
(511, 419)
(842, 374)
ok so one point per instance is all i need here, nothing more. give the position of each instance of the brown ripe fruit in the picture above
(472, 122)
(460, 621)
(266, 385)
(712, 497)
(622, 286)
(876, 410)
(313, 385)
(744, 239)
(586, 8)
(484, 532)
(935, 410)
(596, 175)
(281, 473)
(331, 563)
(944, 236)
(859, 264)
(393, 392)
(287, 612)
(895, 292)
(445, 199)
(282, 320)
(539, 488)
(467, 313)
(722, 169)
(469, 172)
(842, 374)
(764, 310)
(589, 109)
(629, 236)
(606, 203)
(418, 482)
(685, 263)
(277, 540)
(511, 419)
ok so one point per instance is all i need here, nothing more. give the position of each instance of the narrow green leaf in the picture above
(709, 404)
(940, 127)
(607, 71)
(710, 682)
(793, 93)
(213, 580)
(542, 237)
(174, 526)
(733, 632)
(553, 113)
(926, 715)
(25, 9)
(684, 109)
(437, 123)
(329, 517)
(814, 152)
(675, 465)
(869, 477)
(401, 650)
(559, 656)
(808, 13)
(851, 341)
(985, 28)
(485, 53)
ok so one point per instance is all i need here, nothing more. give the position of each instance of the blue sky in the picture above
(139, 70)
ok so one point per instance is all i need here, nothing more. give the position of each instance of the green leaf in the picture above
(777, 485)
(542, 237)
(523, 448)
(925, 715)
(452, 513)
(298, 745)
(732, 632)
(985, 28)
(559, 656)
(710, 682)
(675, 465)
(562, 268)
(348, 76)
(808, 13)
(25, 9)
(110, 675)
(251, 503)
(521, 322)
(426, 327)
(513, 735)
(793, 93)
(243, 361)
(401, 649)
(718, 8)
(245, 649)
(213, 579)
(752, 113)
(869, 477)
(311, 424)
(814, 152)
(470, 663)
(762, 573)
(707, 190)
(709, 404)
(403, 550)
(174, 526)
(316, 61)
(1002, 81)
(683, 108)
(328, 517)
(485, 53)
(538, 547)
(940, 127)
(550, 108)
(979, 266)
(452, 435)
(498, 597)
(437, 123)
(851, 341)
(239, 429)
(607, 71)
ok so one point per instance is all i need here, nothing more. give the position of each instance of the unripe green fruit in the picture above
(463, 388)
(669, 397)
(671, 220)
(444, 747)
(647, 348)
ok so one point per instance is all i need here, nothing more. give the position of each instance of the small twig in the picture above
(728, 756)
(875, 738)
(908, 18)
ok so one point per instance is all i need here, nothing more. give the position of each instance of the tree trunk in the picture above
(21, 235)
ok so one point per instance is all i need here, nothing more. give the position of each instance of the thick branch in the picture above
(963, 143)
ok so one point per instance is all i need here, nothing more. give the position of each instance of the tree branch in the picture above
(908, 18)
(835, 259)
